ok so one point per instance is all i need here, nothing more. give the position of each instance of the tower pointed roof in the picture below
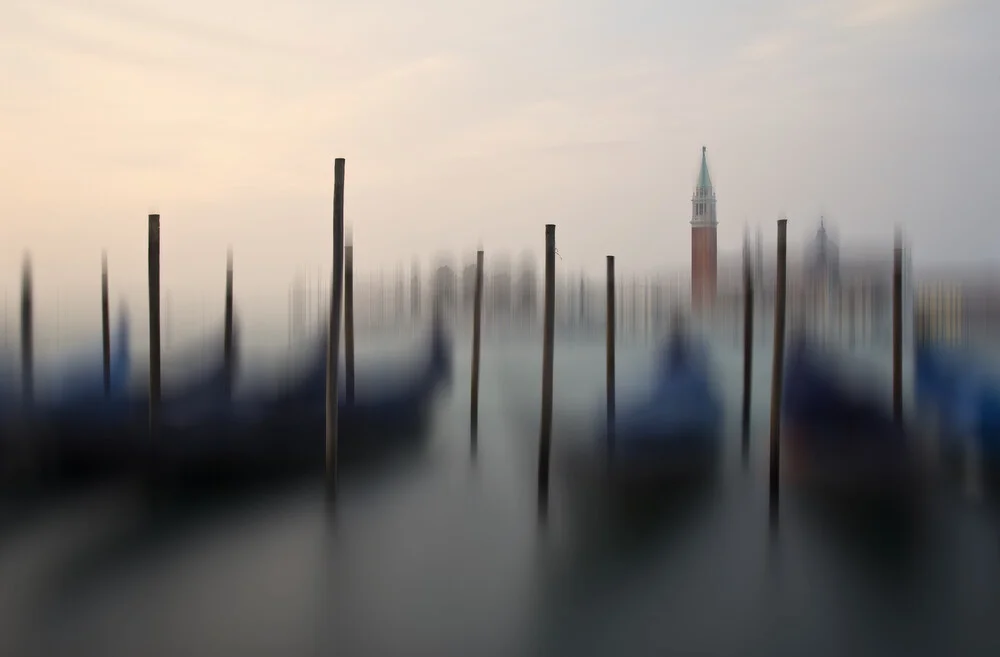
(704, 180)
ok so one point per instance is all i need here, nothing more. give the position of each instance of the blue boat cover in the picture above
(965, 395)
(79, 388)
(682, 410)
(818, 402)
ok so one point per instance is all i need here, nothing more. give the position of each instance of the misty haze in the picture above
(530, 329)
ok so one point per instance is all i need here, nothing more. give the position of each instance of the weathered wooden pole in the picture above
(747, 354)
(349, 322)
(154, 326)
(897, 330)
(27, 337)
(228, 328)
(477, 319)
(548, 339)
(105, 324)
(610, 363)
(333, 335)
(777, 369)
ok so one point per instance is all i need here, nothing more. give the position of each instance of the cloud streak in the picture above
(771, 46)
(869, 13)
(147, 20)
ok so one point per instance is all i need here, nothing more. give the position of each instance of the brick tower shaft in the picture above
(704, 242)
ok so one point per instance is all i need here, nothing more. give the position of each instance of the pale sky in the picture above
(469, 123)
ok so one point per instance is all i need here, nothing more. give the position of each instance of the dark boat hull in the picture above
(863, 472)
(284, 445)
(839, 443)
(635, 484)
(667, 440)
(285, 436)
(84, 433)
(206, 435)
(665, 470)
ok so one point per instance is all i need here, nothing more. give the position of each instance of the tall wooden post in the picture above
(105, 324)
(548, 339)
(27, 337)
(777, 369)
(154, 326)
(747, 354)
(897, 331)
(228, 328)
(333, 342)
(349, 322)
(610, 354)
(477, 319)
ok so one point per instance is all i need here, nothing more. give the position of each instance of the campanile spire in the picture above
(704, 223)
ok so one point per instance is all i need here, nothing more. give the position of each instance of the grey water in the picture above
(440, 552)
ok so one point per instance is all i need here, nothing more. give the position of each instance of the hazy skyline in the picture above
(466, 125)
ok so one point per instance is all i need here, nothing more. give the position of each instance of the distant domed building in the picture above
(526, 294)
(822, 279)
(445, 290)
(823, 259)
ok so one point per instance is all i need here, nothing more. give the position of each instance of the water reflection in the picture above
(433, 554)
(610, 535)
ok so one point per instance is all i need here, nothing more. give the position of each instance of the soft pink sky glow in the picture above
(466, 124)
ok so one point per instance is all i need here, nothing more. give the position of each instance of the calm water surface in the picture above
(439, 553)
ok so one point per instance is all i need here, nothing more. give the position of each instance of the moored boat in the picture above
(670, 435)
(80, 432)
(279, 432)
(838, 438)
(964, 397)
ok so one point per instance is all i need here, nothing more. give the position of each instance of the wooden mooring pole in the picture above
(349, 322)
(897, 330)
(610, 355)
(477, 319)
(105, 325)
(777, 370)
(333, 335)
(17, 459)
(548, 339)
(747, 355)
(228, 327)
(27, 337)
(154, 326)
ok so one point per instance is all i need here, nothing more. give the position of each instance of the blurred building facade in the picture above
(940, 312)
(835, 293)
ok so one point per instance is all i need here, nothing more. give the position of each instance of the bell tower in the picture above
(704, 225)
